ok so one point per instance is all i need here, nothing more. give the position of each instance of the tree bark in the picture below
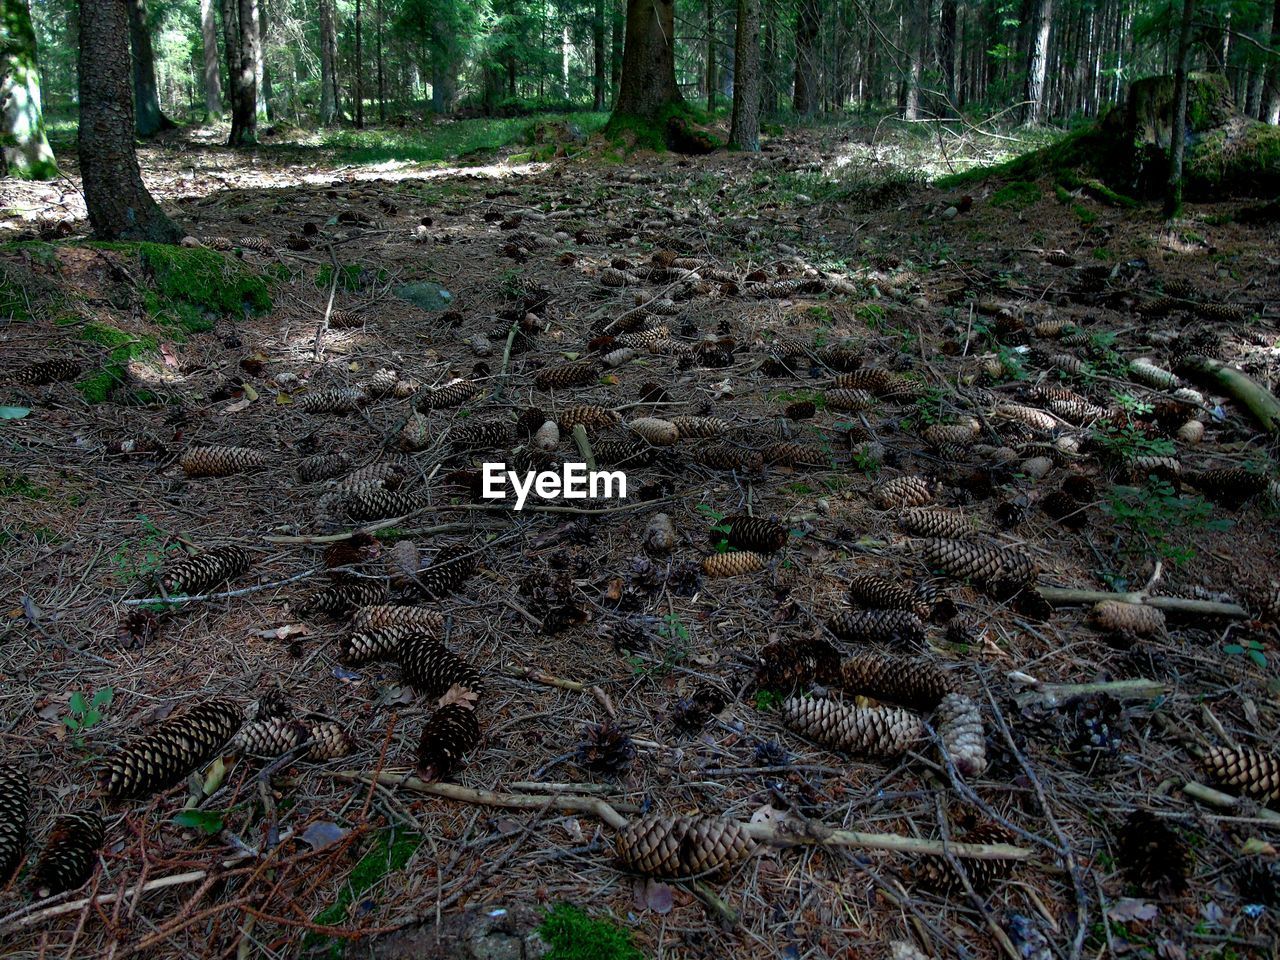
(648, 83)
(359, 72)
(1178, 140)
(261, 73)
(617, 35)
(147, 116)
(804, 94)
(241, 26)
(212, 71)
(710, 73)
(597, 49)
(744, 133)
(382, 89)
(329, 105)
(1038, 58)
(119, 206)
(914, 42)
(1271, 106)
(25, 149)
(947, 51)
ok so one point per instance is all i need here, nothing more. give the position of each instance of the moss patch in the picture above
(1018, 194)
(122, 347)
(573, 935)
(19, 485)
(389, 853)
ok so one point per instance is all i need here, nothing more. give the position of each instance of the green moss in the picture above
(389, 853)
(19, 485)
(1018, 194)
(573, 935)
(351, 277)
(1241, 158)
(121, 348)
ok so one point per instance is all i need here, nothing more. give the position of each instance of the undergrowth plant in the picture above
(1151, 516)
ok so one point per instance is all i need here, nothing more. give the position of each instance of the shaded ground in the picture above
(952, 291)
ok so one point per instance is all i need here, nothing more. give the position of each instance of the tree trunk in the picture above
(709, 78)
(597, 50)
(648, 83)
(328, 65)
(382, 90)
(617, 34)
(1271, 105)
(212, 72)
(240, 18)
(26, 153)
(119, 206)
(1037, 60)
(744, 133)
(1178, 139)
(915, 28)
(769, 95)
(804, 95)
(359, 72)
(261, 73)
(947, 51)
(147, 115)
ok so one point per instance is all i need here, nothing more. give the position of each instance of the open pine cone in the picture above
(681, 847)
(70, 854)
(877, 732)
(179, 745)
(15, 800)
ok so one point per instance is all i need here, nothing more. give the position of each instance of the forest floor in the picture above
(1009, 311)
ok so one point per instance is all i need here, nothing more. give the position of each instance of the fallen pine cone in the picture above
(70, 854)
(937, 873)
(15, 801)
(755, 533)
(179, 745)
(915, 683)
(787, 664)
(877, 732)
(959, 726)
(675, 847)
(195, 575)
(448, 734)
(1248, 772)
(1137, 619)
(660, 433)
(903, 492)
(220, 461)
(876, 593)
(878, 626)
(734, 564)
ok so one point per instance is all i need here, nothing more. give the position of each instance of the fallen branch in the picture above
(1121, 689)
(225, 594)
(501, 378)
(1224, 801)
(799, 833)
(584, 446)
(1240, 386)
(1069, 596)
(371, 528)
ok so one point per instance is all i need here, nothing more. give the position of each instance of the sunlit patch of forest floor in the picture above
(1003, 319)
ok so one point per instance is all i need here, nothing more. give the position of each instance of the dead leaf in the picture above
(768, 814)
(238, 406)
(658, 897)
(285, 632)
(170, 356)
(322, 833)
(1127, 909)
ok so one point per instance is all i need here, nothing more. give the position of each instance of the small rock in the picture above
(1037, 467)
(949, 213)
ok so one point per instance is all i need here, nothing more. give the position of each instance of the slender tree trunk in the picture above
(261, 71)
(1271, 102)
(804, 94)
(915, 29)
(1178, 141)
(26, 153)
(241, 17)
(212, 72)
(147, 115)
(382, 90)
(648, 83)
(617, 36)
(359, 71)
(769, 93)
(947, 49)
(329, 107)
(1037, 60)
(119, 206)
(744, 134)
(710, 74)
(597, 51)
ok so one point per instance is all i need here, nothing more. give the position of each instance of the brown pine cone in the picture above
(15, 802)
(755, 533)
(338, 599)
(878, 626)
(322, 466)
(589, 416)
(938, 874)
(643, 339)
(1263, 601)
(379, 504)
(179, 745)
(1032, 417)
(345, 320)
(945, 434)
(385, 474)
(616, 453)
(959, 726)
(932, 522)
(328, 741)
(979, 562)
(1245, 771)
(1159, 306)
(795, 455)
(452, 394)
(581, 373)
(431, 668)
(673, 847)
(451, 568)
(1230, 486)
(876, 732)
(381, 384)
(1135, 619)
(699, 427)
(256, 244)
(383, 615)
(660, 433)
(220, 461)
(724, 456)
(1218, 312)
(332, 400)
(478, 434)
(70, 854)
(787, 664)
(734, 564)
(1144, 371)
(41, 372)
(1059, 258)
(903, 492)
(848, 400)
(915, 683)
(448, 734)
(268, 738)
(874, 380)
(1079, 412)
(877, 593)
(195, 575)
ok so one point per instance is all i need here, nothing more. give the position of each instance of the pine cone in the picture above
(381, 384)
(877, 732)
(332, 400)
(452, 394)
(937, 873)
(931, 522)
(944, 434)
(70, 854)
(787, 664)
(606, 749)
(385, 474)
(322, 466)
(874, 380)
(431, 668)
(734, 564)
(903, 492)
(345, 320)
(1245, 770)
(1263, 601)
(195, 575)
(1059, 258)
(630, 453)
(338, 599)
(589, 416)
(328, 742)
(795, 455)
(477, 434)
(268, 738)
(448, 734)
(800, 410)
(981, 563)
(256, 244)
(877, 593)
(1032, 417)
(581, 373)
(1144, 371)
(41, 372)
(840, 357)
(1218, 312)
(849, 400)
(220, 461)
(1136, 619)
(918, 684)
(660, 433)
(878, 626)
(381, 504)
(1230, 486)
(699, 427)
(1152, 855)
(383, 615)
(449, 571)
(959, 726)
(15, 801)
(755, 533)
(724, 456)
(179, 745)
(643, 339)
(673, 847)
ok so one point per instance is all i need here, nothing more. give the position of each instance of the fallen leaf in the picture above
(170, 356)
(285, 632)
(658, 897)
(1256, 845)
(249, 392)
(13, 413)
(321, 834)
(1130, 908)
(768, 814)
(238, 406)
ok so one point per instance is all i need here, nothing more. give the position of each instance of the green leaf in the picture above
(104, 697)
(206, 821)
(1258, 657)
(1233, 648)
(77, 703)
(13, 413)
